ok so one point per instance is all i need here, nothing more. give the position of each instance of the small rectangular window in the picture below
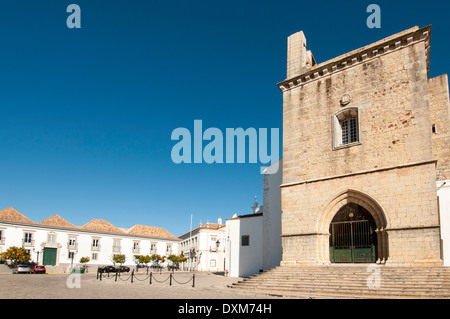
(349, 128)
(345, 128)
(51, 238)
(245, 241)
(27, 238)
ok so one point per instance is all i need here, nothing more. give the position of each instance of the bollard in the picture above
(170, 276)
(193, 280)
(132, 274)
(116, 275)
(150, 278)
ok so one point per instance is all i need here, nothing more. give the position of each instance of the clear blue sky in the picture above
(87, 114)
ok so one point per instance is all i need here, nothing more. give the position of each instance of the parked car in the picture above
(108, 269)
(38, 269)
(157, 266)
(22, 269)
(124, 269)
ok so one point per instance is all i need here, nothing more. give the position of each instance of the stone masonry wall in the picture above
(392, 95)
(440, 118)
(393, 163)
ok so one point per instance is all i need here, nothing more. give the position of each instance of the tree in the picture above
(144, 259)
(84, 260)
(16, 255)
(176, 259)
(157, 258)
(119, 259)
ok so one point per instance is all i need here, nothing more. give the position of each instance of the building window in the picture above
(349, 128)
(94, 256)
(136, 249)
(51, 238)
(153, 248)
(346, 128)
(95, 244)
(116, 245)
(71, 255)
(27, 238)
(72, 243)
(212, 263)
(245, 241)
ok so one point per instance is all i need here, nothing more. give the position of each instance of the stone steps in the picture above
(351, 282)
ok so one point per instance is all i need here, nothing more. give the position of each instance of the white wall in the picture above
(251, 257)
(245, 261)
(14, 235)
(272, 249)
(444, 213)
(233, 247)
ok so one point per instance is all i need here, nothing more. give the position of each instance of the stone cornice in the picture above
(372, 51)
(376, 170)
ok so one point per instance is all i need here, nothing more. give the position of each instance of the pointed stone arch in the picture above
(362, 199)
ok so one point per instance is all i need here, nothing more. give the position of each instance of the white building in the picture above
(254, 240)
(55, 241)
(204, 247)
(443, 193)
(245, 242)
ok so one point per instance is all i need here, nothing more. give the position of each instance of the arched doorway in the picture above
(353, 236)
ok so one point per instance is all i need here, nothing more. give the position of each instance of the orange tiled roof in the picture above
(150, 231)
(101, 225)
(12, 215)
(57, 220)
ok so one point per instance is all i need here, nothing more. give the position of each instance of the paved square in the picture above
(54, 286)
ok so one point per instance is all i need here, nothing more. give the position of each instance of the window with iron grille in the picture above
(346, 128)
(349, 129)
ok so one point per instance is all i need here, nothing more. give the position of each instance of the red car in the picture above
(38, 269)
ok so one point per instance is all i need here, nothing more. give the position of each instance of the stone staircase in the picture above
(351, 282)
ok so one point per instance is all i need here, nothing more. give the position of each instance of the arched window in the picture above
(346, 128)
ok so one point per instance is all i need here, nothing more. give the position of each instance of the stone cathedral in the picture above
(366, 137)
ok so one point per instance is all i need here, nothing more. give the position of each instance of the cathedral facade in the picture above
(365, 142)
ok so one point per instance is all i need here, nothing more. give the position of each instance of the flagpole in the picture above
(190, 243)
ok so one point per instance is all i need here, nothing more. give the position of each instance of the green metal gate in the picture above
(353, 242)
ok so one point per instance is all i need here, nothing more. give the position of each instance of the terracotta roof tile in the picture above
(150, 231)
(101, 225)
(12, 215)
(57, 220)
